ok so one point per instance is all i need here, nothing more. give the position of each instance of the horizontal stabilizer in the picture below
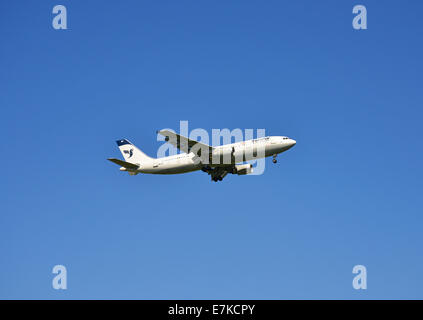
(124, 164)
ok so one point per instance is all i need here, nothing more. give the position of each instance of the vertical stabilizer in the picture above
(131, 153)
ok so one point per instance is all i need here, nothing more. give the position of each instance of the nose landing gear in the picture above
(274, 158)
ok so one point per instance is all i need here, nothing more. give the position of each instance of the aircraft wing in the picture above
(185, 144)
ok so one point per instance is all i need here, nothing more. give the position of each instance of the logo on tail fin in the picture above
(130, 152)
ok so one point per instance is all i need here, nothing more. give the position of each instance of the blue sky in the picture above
(348, 193)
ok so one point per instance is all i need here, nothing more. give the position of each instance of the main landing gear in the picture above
(274, 158)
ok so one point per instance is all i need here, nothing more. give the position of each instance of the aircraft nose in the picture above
(293, 142)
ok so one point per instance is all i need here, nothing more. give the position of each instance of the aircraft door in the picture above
(158, 163)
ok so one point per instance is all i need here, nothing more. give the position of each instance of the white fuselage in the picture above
(222, 156)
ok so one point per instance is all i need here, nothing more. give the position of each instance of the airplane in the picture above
(217, 161)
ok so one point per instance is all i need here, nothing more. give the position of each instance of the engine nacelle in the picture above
(242, 169)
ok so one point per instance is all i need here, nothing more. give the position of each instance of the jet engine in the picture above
(242, 169)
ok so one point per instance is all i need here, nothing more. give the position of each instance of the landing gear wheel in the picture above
(220, 178)
(274, 160)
